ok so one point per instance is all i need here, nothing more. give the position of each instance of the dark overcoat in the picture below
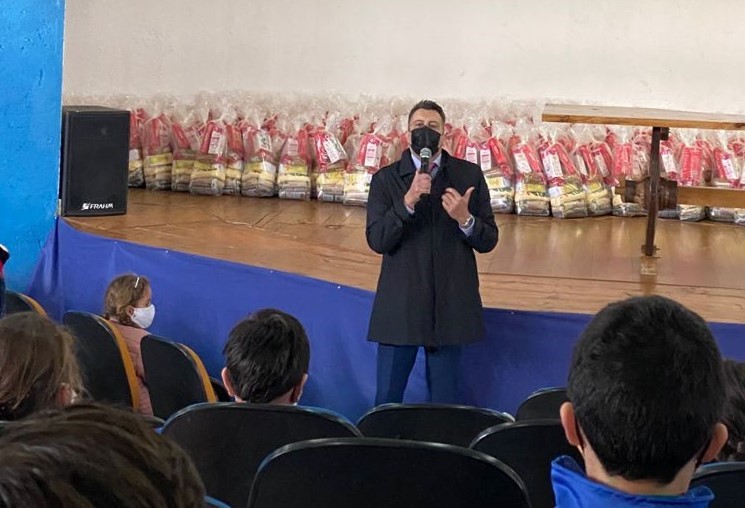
(428, 289)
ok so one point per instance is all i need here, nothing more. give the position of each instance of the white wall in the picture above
(682, 54)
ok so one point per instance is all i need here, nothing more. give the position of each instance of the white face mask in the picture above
(143, 316)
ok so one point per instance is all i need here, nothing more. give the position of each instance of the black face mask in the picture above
(424, 137)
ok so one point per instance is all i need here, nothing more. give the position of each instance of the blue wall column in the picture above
(31, 34)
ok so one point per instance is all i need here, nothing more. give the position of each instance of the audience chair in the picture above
(228, 441)
(371, 472)
(18, 302)
(726, 480)
(435, 423)
(176, 377)
(220, 391)
(529, 448)
(108, 372)
(542, 405)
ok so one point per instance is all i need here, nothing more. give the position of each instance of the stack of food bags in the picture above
(235, 153)
(565, 188)
(185, 139)
(156, 149)
(294, 163)
(208, 176)
(727, 171)
(497, 167)
(627, 166)
(531, 194)
(260, 172)
(330, 159)
(137, 117)
(589, 160)
(694, 161)
(368, 150)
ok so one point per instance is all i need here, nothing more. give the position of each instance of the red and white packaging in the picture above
(293, 176)
(565, 188)
(531, 193)
(137, 117)
(589, 158)
(330, 160)
(185, 141)
(367, 150)
(235, 156)
(208, 175)
(497, 167)
(260, 171)
(156, 150)
(727, 171)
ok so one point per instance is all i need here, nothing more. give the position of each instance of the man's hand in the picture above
(456, 205)
(422, 184)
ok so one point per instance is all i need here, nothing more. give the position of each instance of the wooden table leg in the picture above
(649, 249)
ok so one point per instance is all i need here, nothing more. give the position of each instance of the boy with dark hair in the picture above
(266, 359)
(647, 393)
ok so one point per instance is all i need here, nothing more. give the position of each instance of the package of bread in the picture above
(566, 190)
(531, 193)
(260, 171)
(185, 140)
(293, 174)
(156, 151)
(330, 159)
(588, 162)
(208, 175)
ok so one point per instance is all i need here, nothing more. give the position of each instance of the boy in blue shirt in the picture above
(647, 394)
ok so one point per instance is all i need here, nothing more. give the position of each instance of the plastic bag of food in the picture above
(588, 161)
(531, 194)
(208, 175)
(293, 177)
(330, 159)
(137, 117)
(726, 171)
(497, 167)
(235, 155)
(260, 172)
(156, 150)
(185, 140)
(367, 150)
(626, 168)
(565, 187)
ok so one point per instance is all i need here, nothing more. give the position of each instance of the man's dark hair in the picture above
(93, 455)
(428, 105)
(267, 355)
(647, 386)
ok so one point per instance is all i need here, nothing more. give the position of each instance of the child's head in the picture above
(266, 358)
(128, 301)
(38, 369)
(734, 412)
(94, 455)
(647, 394)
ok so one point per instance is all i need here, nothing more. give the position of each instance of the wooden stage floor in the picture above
(539, 264)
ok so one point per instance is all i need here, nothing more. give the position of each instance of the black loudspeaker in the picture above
(95, 160)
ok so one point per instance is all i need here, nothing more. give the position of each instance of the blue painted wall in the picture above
(31, 34)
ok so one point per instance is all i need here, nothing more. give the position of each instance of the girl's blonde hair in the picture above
(37, 359)
(122, 292)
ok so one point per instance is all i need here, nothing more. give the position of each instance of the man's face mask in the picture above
(424, 137)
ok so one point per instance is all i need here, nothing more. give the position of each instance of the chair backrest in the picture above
(434, 423)
(726, 480)
(176, 377)
(228, 441)
(108, 372)
(371, 472)
(542, 405)
(18, 302)
(220, 391)
(528, 448)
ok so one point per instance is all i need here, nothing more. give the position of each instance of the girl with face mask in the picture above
(128, 305)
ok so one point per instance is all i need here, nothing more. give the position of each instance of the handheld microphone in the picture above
(425, 154)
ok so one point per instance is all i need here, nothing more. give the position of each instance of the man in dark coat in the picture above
(427, 222)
